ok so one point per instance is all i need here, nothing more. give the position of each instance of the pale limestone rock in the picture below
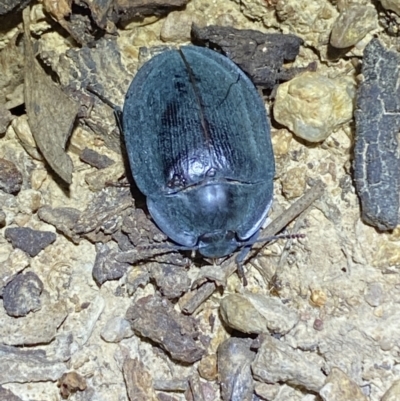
(339, 387)
(116, 329)
(312, 20)
(176, 27)
(277, 362)
(20, 365)
(393, 5)
(256, 313)
(312, 105)
(23, 132)
(29, 201)
(393, 393)
(352, 25)
(35, 328)
(281, 140)
(294, 183)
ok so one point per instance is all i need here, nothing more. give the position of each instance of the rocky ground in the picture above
(86, 314)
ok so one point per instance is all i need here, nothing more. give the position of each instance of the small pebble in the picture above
(374, 294)
(10, 177)
(312, 106)
(318, 298)
(176, 27)
(24, 134)
(70, 383)
(208, 367)
(29, 201)
(5, 119)
(281, 140)
(22, 295)
(318, 324)
(95, 159)
(339, 387)
(37, 178)
(352, 25)
(30, 241)
(116, 329)
(294, 183)
(256, 313)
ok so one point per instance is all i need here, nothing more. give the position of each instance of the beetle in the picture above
(198, 140)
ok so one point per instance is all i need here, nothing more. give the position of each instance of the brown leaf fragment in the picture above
(156, 318)
(138, 380)
(128, 9)
(50, 112)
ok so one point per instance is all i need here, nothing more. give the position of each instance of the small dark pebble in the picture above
(260, 55)
(155, 318)
(318, 324)
(106, 266)
(95, 159)
(10, 177)
(166, 397)
(172, 280)
(62, 218)
(28, 240)
(22, 295)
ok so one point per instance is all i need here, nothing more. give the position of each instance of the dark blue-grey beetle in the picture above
(198, 141)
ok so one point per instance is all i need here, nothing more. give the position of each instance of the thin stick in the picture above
(229, 266)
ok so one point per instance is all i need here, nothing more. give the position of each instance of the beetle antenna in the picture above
(273, 238)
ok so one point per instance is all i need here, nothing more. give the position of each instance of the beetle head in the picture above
(217, 244)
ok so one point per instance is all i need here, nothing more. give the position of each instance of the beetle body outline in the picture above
(198, 141)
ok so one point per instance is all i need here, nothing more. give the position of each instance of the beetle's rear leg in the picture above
(241, 256)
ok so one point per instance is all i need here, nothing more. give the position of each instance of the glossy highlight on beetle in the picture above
(198, 141)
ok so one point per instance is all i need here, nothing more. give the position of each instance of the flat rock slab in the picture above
(20, 366)
(28, 240)
(376, 153)
(36, 328)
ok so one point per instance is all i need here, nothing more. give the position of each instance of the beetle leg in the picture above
(241, 256)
